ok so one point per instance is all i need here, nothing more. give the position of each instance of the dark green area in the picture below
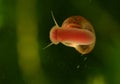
(59, 62)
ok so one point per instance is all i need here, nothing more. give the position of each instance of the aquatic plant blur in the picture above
(24, 32)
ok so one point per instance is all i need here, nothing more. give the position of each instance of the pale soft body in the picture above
(75, 32)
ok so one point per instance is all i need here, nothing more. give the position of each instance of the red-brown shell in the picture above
(81, 23)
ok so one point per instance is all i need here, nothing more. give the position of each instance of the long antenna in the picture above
(54, 19)
(56, 25)
(48, 45)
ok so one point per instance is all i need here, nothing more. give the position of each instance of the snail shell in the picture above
(75, 32)
(81, 23)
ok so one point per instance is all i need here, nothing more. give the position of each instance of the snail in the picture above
(76, 32)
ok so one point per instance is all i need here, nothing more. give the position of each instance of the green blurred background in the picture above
(24, 32)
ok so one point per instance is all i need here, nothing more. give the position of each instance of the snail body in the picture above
(75, 32)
